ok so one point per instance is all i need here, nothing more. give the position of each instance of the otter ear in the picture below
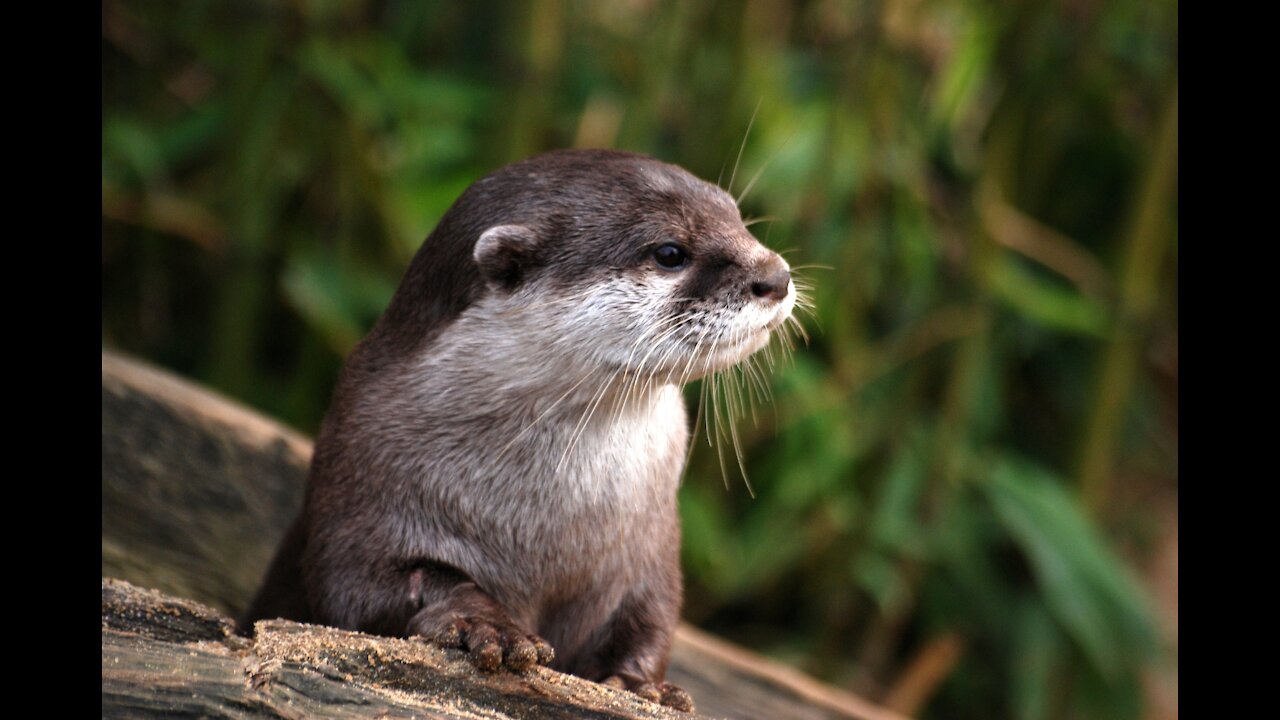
(503, 252)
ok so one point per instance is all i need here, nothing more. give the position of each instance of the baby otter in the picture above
(498, 467)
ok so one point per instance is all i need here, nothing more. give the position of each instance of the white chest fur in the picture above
(533, 468)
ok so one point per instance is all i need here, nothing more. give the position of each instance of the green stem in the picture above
(1148, 241)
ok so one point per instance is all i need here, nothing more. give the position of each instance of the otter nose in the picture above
(774, 284)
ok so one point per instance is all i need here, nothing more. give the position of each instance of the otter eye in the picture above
(671, 256)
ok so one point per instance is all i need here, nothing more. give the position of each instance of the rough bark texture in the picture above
(197, 492)
(166, 656)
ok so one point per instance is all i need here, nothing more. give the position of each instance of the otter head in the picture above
(633, 264)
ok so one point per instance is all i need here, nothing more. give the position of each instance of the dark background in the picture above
(965, 485)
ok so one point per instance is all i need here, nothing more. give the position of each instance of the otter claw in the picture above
(521, 655)
(546, 653)
(663, 693)
(491, 646)
(676, 698)
(648, 691)
(487, 656)
(451, 636)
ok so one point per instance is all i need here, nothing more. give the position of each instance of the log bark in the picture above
(168, 656)
(196, 493)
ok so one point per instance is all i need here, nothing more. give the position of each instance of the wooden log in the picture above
(196, 490)
(196, 493)
(169, 656)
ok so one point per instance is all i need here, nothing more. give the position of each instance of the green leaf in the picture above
(1084, 585)
(706, 537)
(132, 147)
(1045, 302)
(338, 303)
(967, 69)
(1038, 649)
(196, 133)
(895, 525)
(879, 577)
(961, 543)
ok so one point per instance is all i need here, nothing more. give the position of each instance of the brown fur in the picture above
(452, 495)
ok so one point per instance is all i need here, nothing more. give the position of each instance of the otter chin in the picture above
(497, 470)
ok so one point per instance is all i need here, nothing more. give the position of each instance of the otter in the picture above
(498, 467)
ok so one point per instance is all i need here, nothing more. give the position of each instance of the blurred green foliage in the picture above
(955, 467)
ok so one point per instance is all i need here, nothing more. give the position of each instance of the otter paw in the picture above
(676, 698)
(492, 645)
(663, 693)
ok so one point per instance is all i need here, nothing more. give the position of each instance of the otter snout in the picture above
(773, 280)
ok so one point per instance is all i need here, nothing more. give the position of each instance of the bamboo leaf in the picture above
(1038, 650)
(1084, 585)
(340, 305)
(1055, 306)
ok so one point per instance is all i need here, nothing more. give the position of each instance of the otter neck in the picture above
(551, 414)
